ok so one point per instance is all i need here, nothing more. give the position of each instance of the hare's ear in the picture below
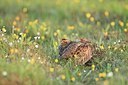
(65, 41)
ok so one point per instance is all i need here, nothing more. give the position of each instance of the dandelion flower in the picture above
(72, 78)
(116, 69)
(88, 15)
(51, 69)
(97, 79)
(56, 60)
(63, 77)
(121, 23)
(112, 23)
(102, 74)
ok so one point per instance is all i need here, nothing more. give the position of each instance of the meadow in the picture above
(31, 30)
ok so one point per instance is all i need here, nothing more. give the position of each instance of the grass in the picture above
(31, 31)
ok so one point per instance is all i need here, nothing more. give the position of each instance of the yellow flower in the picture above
(72, 78)
(14, 23)
(112, 23)
(105, 34)
(65, 36)
(97, 79)
(121, 23)
(102, 74)
(126, 30)
(55, 34)
(63, 77)
(3, 29)
(101, 47)
(16, 50)
(42, 37)
(88, 15)
(93, 67)
(79, 74)
(51, 69)
(15, 36)
(71, 27)
(56, 60)
(12, 51)
(116, 69)
(32, 61)
(17, 18)
(106, 13)
(92, 19)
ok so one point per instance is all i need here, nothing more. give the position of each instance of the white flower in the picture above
(110, 74)
(84, 70)
(38, 33)
(4, 73)
(36, 46)
(28, 50)
(10, 44)
(35, 38)
(29, 60)
(39, 58)
(22, 58)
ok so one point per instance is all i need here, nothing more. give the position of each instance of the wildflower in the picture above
(121, 50)
(92, 19)
(115, 48)
(28, 50)
(93, 67)
(16, 50)
(125, 30)
(97, 79)
(36, 46)
(112, 23)
(106, 13)
(109, 47)
(11, 51)
(121, 23)
(3, 29)
(15, 36)
(88, 15)
(29, 60)
(14, 23)
(71, 27)
(51, 69)
(105, 34)
(63, 77)
(32, 61)
(127, 24)
(84, 71)
(58, 31)
(116, 69)
(56, 60)
(42, 37)
(110, 74)
(55, 33)
(101, 47)
(102, 74)
(79, 74)
(4, 73)
(17, 18)
(38, 58)
(65, 36)
(22, 58)
(10, 44)
(72, 78)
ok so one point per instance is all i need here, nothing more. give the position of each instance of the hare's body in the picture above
(80, 50)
